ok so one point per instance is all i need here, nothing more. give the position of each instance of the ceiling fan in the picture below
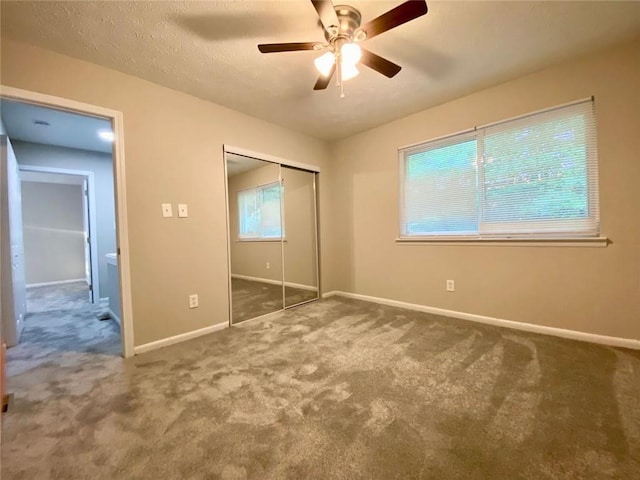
(343, 32)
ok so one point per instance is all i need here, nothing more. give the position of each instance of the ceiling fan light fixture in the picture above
(351, 54)
(324, 63)
(342, 31)
(349, 71)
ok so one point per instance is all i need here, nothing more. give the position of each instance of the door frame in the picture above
(122, 230)
(93, 229)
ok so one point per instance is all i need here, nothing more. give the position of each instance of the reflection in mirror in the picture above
(255, 237)
(300, 246)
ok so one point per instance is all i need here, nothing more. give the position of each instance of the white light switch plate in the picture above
(167, 211)
(182, 210)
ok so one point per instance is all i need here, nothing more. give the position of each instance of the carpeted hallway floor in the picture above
(336, 389)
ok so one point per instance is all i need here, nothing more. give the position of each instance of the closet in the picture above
(273, 234)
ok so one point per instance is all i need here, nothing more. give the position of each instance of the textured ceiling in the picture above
(208, 49)
(64, 129)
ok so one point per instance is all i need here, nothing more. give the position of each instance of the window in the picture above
(532, 177)
(259, 212)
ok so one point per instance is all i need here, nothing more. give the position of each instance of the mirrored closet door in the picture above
(300, 246)
(273, 244)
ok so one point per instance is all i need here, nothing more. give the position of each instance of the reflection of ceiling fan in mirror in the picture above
(343, 34)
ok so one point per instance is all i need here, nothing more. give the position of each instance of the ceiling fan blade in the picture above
(403, 13)
(286, 47)
(323, 82)
(379, 64)
(326, 12)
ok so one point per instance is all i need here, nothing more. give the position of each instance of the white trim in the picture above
(260, 240)
(93, 227)
(269, 158)
(507, 242)
(183, 337)
(330, 294)
(275, 282)
(283, 227)
(119, 184)
(57, 282)
(114, 317)
(311, 288)
(631, 343)
(257, 279)
(226, 204)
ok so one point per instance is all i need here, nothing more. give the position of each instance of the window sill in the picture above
(509, 242)
(260, 240)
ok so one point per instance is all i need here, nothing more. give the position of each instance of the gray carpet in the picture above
(335, 389)
(62, 319)
(252, 299)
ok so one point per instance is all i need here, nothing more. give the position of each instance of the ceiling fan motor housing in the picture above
(349, 19)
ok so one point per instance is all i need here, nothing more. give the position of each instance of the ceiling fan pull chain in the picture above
(339, 80)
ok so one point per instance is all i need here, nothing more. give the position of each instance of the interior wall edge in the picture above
(631, 343)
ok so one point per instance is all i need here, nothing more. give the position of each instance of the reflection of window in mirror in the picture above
(259, 212)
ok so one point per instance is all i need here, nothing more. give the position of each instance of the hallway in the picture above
(61, 319)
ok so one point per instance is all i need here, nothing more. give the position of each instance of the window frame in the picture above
(246, 238)
(522, 233)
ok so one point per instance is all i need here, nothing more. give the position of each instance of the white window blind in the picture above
(259, 212)
(534, 177)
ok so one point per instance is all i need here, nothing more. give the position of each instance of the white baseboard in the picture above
(275, 282)
(183, 337)
(499, 322)
(332, 293)
(114, 317)
(58, 282)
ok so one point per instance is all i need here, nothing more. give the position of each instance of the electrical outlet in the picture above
(451, 286)
(268, 265)
(193, 301)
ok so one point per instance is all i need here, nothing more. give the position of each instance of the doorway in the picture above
(63, 198)
(95, 273)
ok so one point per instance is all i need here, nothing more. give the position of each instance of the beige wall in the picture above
(53, 232)
(250, 258)
(173, 149)
(589, 289)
